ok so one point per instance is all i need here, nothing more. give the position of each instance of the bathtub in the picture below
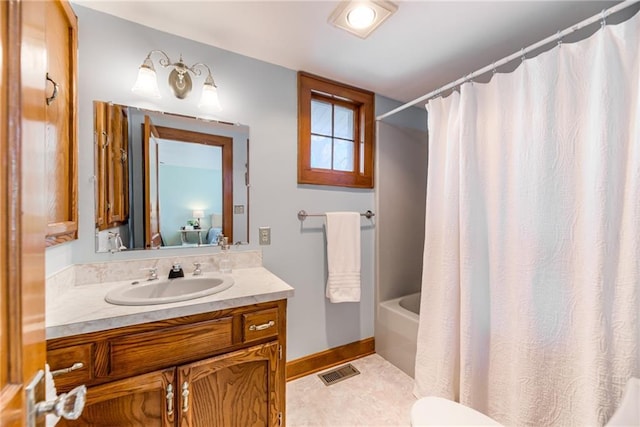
(397, 331)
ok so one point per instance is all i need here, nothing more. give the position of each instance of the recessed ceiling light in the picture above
(361, 17)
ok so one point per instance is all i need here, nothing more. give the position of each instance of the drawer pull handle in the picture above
(54, 95)
(185, 396)
(262, 327)
(74, 367)
(169, 400)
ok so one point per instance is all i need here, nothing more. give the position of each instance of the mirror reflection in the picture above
(164, 180)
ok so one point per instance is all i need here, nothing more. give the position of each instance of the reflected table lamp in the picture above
(198, 214)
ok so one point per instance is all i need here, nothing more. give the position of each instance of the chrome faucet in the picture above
(223, 242)
(176, 271)
(116, 242)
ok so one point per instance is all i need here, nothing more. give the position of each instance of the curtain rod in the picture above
(602, 16)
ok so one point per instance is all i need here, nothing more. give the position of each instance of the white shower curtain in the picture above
(531, 279)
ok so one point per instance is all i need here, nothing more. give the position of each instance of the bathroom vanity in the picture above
(213, 361)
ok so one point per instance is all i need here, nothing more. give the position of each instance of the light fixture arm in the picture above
(197, 72)
(164, 62)
(179, 79)
(180, 66)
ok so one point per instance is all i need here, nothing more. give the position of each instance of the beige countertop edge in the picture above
(133, 315)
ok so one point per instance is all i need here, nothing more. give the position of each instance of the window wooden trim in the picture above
(310, 85)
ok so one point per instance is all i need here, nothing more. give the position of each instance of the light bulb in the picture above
(361, 17)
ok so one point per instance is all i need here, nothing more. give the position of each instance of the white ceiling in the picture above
(425, 45)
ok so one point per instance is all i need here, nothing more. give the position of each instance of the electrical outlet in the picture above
(265, 235)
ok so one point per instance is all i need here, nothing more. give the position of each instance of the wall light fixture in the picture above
(179, 81)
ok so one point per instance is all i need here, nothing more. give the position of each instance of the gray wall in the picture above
(401, 194)
(400, 202)
(262, 96)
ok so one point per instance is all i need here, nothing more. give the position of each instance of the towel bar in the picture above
(302, 215)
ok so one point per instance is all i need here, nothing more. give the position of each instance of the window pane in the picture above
(343, 126)
(320, 152)
(343, 155)
(320, 118)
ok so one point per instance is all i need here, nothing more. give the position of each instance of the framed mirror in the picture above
(168, 181)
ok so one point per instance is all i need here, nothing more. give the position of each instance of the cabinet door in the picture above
(100, 142)
(144, 400)
(237, 389)
(118, 167)
(61, 142)
(111, 144)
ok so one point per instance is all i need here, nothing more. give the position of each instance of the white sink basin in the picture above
(169, 290)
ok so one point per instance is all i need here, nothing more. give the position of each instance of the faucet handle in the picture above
(153, 272)
(197, 271)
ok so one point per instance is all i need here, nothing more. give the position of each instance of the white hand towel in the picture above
(343, 256)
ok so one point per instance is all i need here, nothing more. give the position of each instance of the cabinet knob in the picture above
(54, 95)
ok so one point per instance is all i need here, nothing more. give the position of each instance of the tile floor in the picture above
(380, 396)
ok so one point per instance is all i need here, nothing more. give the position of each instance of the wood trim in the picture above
(226, 144)
(12, 412)
(310, 86)
(332, 357)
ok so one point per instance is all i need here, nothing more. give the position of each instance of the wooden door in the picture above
(234, 390)
(61, 141)
(22, 205)
(151, 191)
(145, 400)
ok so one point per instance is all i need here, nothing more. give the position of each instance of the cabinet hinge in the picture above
(279, 418)
(280, 352)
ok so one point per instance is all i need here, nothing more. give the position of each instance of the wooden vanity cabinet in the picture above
(61, 154)
(203, 370)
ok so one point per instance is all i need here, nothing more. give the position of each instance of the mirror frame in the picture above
(226, 143)
(179, 128)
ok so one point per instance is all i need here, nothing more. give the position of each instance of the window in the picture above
(335, 133)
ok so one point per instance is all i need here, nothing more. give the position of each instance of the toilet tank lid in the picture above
(437, 411)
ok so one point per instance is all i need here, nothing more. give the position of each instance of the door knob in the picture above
(66, 405)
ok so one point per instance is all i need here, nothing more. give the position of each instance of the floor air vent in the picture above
(338, 374)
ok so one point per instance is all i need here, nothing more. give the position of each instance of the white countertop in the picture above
(73, 310)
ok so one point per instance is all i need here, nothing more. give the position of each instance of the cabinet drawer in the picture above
(65, 358)
(260, 324)
(165, 347)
